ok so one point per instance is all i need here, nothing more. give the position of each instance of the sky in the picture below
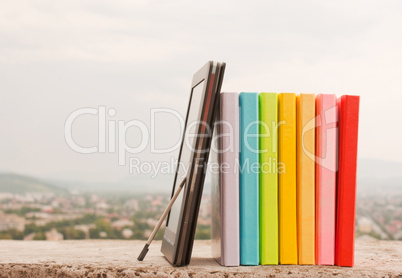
(134, 56)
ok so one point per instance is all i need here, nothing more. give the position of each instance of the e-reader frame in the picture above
(177, 244)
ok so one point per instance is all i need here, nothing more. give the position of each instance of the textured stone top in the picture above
(115, 258)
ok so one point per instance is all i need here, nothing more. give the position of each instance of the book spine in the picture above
(305, 140)
(348, 107)
(229, 142)
(249, 179)
(268, 108)
(326, 155)
(287, 179)
(216, 198)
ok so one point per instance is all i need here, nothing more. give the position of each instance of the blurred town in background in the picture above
(36, 210)
(125, 59)
(33, 209)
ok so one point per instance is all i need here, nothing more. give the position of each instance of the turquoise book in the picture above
(249, 179)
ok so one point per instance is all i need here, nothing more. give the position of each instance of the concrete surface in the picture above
(108, 258)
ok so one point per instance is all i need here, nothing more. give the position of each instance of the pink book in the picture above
(326, 164)
(225, 182)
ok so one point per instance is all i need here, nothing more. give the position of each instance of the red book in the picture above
(348, 107)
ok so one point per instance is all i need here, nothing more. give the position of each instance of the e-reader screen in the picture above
(188, 147)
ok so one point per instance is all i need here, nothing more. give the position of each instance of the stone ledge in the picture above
(115, 258)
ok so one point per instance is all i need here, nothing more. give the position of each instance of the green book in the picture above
(268, 109)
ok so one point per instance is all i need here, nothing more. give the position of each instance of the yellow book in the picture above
(287, 178)
(305, 174)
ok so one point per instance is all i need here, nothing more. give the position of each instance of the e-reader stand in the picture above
(158, 225)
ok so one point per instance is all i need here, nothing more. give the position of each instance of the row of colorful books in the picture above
(284, 179)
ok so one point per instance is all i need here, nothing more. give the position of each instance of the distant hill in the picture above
(375, 176)
(15, 183)
(368, 168)
(135, 183)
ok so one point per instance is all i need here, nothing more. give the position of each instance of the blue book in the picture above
(249, 179)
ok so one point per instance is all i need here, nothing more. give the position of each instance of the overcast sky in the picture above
(59, 56)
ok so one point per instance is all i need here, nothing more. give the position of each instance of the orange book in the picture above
(287, 178)
(305, 144)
